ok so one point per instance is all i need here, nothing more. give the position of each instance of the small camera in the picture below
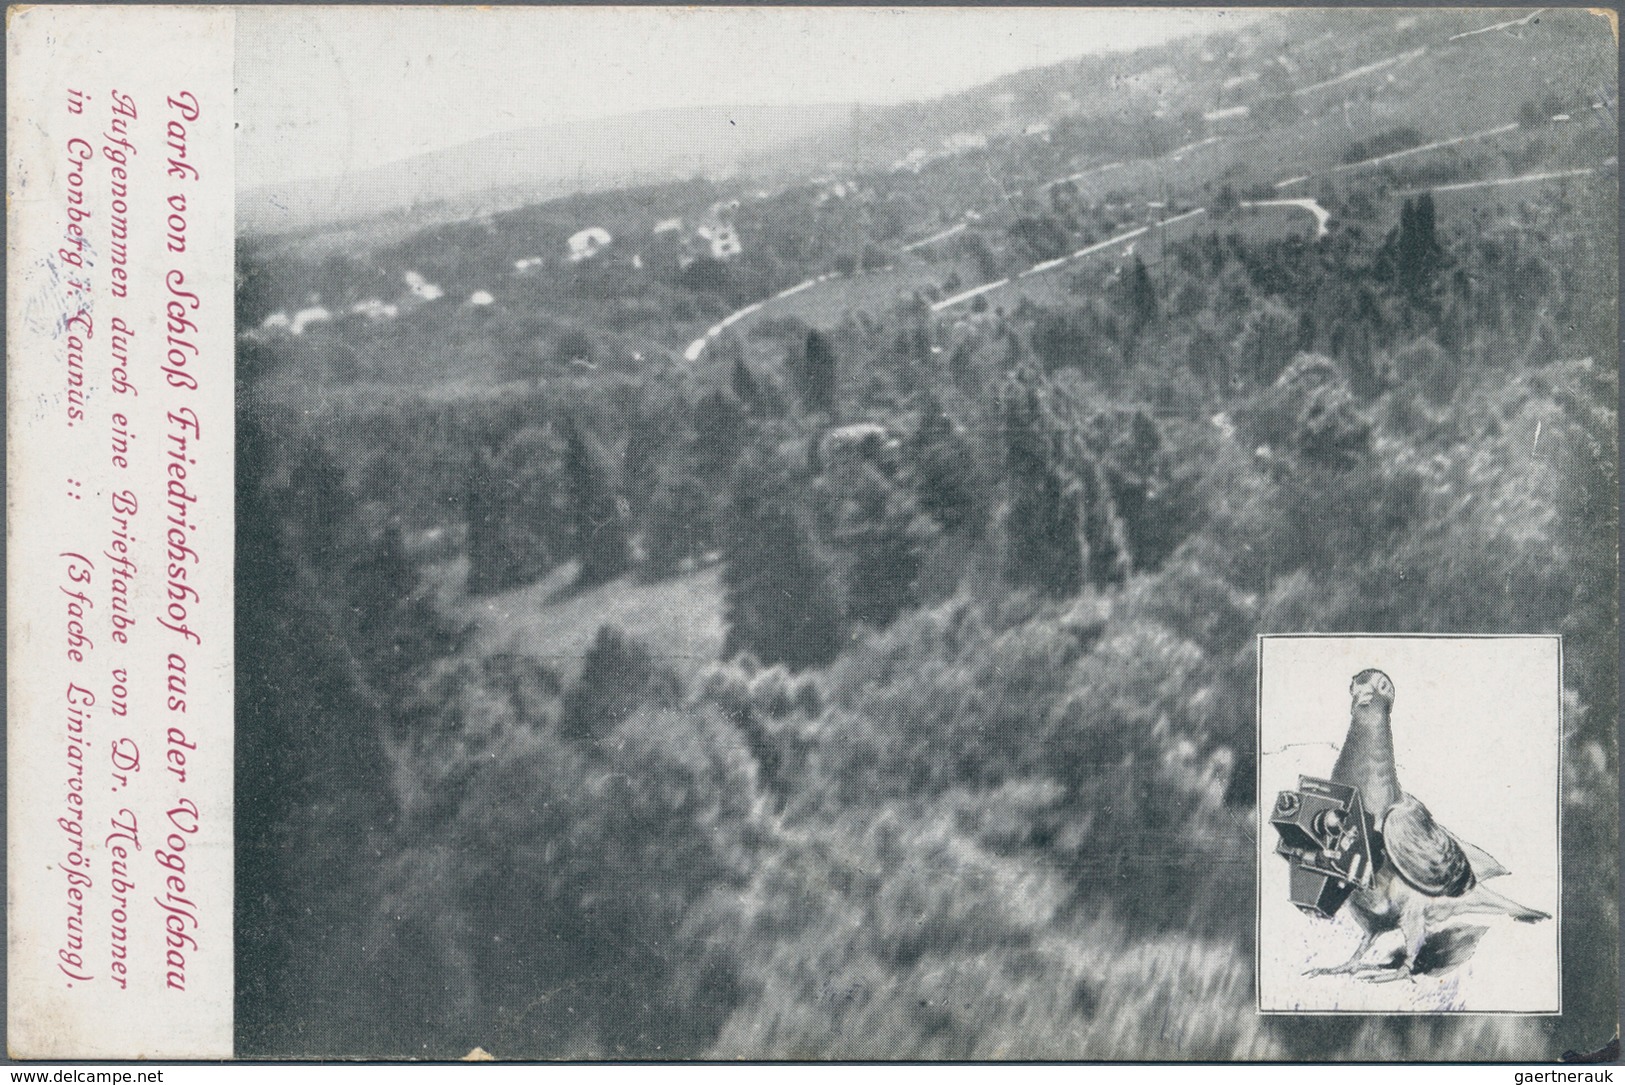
(1328, 838)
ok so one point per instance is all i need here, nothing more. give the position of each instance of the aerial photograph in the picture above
(754, 528)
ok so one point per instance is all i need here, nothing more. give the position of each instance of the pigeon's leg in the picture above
(1413, 925)
(1349, 966)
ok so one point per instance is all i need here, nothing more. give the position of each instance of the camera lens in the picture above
(1329, 825)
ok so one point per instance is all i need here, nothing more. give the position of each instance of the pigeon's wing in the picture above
(1424, 854)
(1485, 865)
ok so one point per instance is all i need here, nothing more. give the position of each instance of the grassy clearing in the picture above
(551, 621)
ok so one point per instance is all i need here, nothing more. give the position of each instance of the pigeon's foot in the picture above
(1348, 967)
(1345, 969)
(1389, 974)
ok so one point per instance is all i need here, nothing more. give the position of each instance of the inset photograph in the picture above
(1409, 824)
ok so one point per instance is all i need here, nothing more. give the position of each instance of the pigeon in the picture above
(1430, 875)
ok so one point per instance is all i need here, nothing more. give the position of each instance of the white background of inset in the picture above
(1476, 739)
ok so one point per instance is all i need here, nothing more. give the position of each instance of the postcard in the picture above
(653, 533)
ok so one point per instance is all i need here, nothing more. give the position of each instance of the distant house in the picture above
(525, 263)
(666, 226)
(480, 297)
(315, 314)
(914, 161)
(375, 310)
(422, 288)
(838, 190)
(725, 244)
(586, 244)
(721, 240)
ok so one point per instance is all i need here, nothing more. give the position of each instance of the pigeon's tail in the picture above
(1520, 912)
(1483, 901)
(1484, 864)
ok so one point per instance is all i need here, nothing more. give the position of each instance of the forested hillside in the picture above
(825, 627)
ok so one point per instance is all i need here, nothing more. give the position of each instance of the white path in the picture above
(1090, 172)
(1497, 26)
(735, 317)
(697, 348)
(968, 294)
(1038, 269)
(1179, 153)
(1322, 216)
(1363, 70)
(1050, 265)
(1553, 176)
(934, 238)
(796, 289)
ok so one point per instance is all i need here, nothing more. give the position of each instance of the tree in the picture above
(1144, 498)
(1106, 550)
(1041, 235)
(307, 760)
(1267, 340)
(777, 595)
(1140, 297)
(975, 246)
(681, 525)
(720, 428)
(816, 375)
(1412, 255)
(595, 510)
(574, 347)
(514, 510)
(618, 676)
(945, 472)
(481, 516)
(1041, 528)
(881, 535)
(397, 625)
(744, 385)
(318, 499)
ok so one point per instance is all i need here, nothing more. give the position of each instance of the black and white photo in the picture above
(910, 534)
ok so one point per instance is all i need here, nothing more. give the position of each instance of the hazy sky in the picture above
(324, 90)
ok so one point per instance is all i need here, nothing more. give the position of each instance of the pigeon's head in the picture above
(1370, 688)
